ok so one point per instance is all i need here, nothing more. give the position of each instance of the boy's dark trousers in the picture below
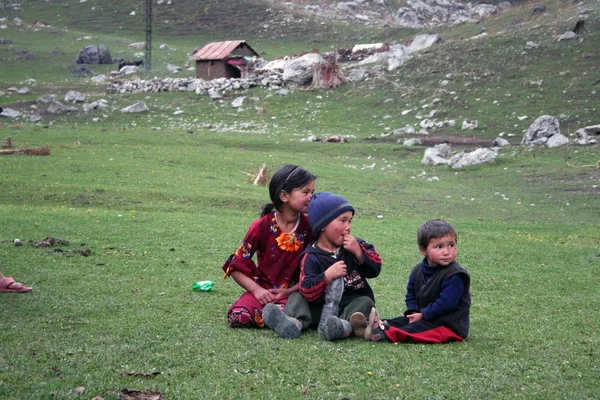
(310, 314)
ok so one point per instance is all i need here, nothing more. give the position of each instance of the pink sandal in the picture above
(9, 285)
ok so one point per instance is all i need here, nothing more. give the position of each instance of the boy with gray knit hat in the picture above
(335, 268)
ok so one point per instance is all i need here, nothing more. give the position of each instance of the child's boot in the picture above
(358, 322)
(336, 328)
(281, 324)
(375, 328)
(333, 296)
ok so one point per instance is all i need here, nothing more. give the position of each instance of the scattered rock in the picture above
(238, 102)
(437, 155)
(56, 107)
(93, 54)
(468, 124)
(412, 142)
(408, 130)
(82, 71)
(299, 72)
(500, 142)
(557, 140)
(421, 42)
(47, 98)
(587, 135)
(128, 70)
(541, 129)
(173, 68)
(479, 156)
(140, 106)
(531, 45)
(96, 105)
(74, 97)
(137, 46)
(166, 47)
(568, 35)
(357, 74)
(100, 78)
(214, 94)
(10, 113)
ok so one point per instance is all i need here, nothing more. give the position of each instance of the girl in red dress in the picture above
(277, 238)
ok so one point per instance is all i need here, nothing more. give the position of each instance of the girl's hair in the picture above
(434, 229)
(286, 179)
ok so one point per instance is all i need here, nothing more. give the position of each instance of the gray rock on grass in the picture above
(140, 106)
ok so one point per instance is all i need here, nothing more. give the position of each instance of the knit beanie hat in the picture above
(323, 208)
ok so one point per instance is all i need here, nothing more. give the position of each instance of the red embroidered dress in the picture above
(278, 253)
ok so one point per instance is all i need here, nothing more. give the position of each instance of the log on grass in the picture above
(42, 151)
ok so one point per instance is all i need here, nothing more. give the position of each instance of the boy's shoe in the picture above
(358, 322)
(375, 328)
(336, 328)
(281, 324)
(333, 296)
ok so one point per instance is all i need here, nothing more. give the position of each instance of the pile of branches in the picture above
(327, 75)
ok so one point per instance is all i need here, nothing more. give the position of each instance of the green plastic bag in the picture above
(203, 286)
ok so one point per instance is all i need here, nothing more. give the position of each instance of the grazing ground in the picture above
(152, 202)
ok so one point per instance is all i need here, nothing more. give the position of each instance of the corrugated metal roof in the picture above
(217, 50)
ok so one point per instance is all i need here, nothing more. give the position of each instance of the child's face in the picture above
(299, 198)
(440, 251)
(333, 234)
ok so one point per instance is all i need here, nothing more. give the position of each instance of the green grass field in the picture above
(157, 201)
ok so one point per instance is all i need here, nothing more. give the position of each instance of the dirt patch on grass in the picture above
(21, 105)
(456, 141)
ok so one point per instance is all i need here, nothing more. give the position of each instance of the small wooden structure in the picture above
(222, 59)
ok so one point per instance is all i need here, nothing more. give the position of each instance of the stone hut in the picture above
(223, 59)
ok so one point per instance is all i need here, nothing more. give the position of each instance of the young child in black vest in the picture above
(437, 294)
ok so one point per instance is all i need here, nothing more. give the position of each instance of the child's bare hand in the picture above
(263, 296)
(280, 294)
(351, 244)
(337, 270)
(414, 317)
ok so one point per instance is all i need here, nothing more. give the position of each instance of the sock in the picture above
(280, 323)
(336, 328)
(335, 289)
(358, 322)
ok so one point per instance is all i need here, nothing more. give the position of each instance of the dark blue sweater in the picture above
(450, 294)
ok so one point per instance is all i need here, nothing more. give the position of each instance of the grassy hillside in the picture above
(492, 79)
